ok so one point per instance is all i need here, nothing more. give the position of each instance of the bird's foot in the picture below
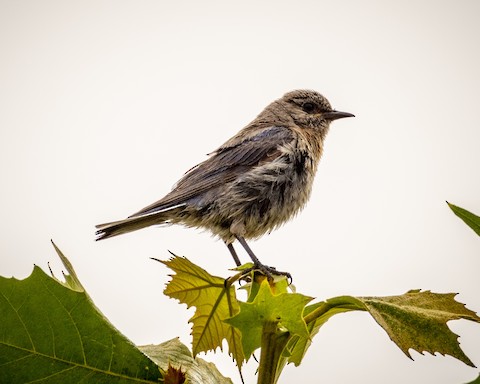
(267, 271)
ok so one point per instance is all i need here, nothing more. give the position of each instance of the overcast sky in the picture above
(105, 104)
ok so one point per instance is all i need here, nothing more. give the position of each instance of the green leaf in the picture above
(214, 301)
(51, 333)
(418, 320)
(71, 279)
(278, 285)
(473, 221)
(174, 354)
(285, 309)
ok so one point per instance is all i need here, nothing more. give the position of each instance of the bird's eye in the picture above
(308, 107)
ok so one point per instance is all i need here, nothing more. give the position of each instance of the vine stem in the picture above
(272, 344)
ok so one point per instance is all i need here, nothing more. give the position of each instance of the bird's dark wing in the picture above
(224, 166)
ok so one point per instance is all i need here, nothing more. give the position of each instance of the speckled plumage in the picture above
(253, 183)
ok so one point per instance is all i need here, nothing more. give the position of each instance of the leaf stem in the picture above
(338, 304)
(317, 312)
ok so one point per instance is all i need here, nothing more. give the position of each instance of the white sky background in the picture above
(104, 105)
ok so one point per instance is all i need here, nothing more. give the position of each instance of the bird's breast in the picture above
(267, 195)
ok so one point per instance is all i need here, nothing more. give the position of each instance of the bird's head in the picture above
(309, 109)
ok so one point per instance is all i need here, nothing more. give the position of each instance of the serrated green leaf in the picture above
(51, 333)
(418, 320)
(278, 284)
(174, 353)
(285, 309)
(71, 279)
(214, 302)
(473, 221)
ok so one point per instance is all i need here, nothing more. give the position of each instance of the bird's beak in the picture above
(335, 115)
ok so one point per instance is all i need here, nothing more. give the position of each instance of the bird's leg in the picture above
(257, 265)
(254, 258)
(233, 253)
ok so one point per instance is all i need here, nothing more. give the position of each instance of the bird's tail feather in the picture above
(115, 228)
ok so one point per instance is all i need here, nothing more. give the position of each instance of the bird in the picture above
(253, 183)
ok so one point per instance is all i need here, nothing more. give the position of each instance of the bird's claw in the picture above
(267, 271)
